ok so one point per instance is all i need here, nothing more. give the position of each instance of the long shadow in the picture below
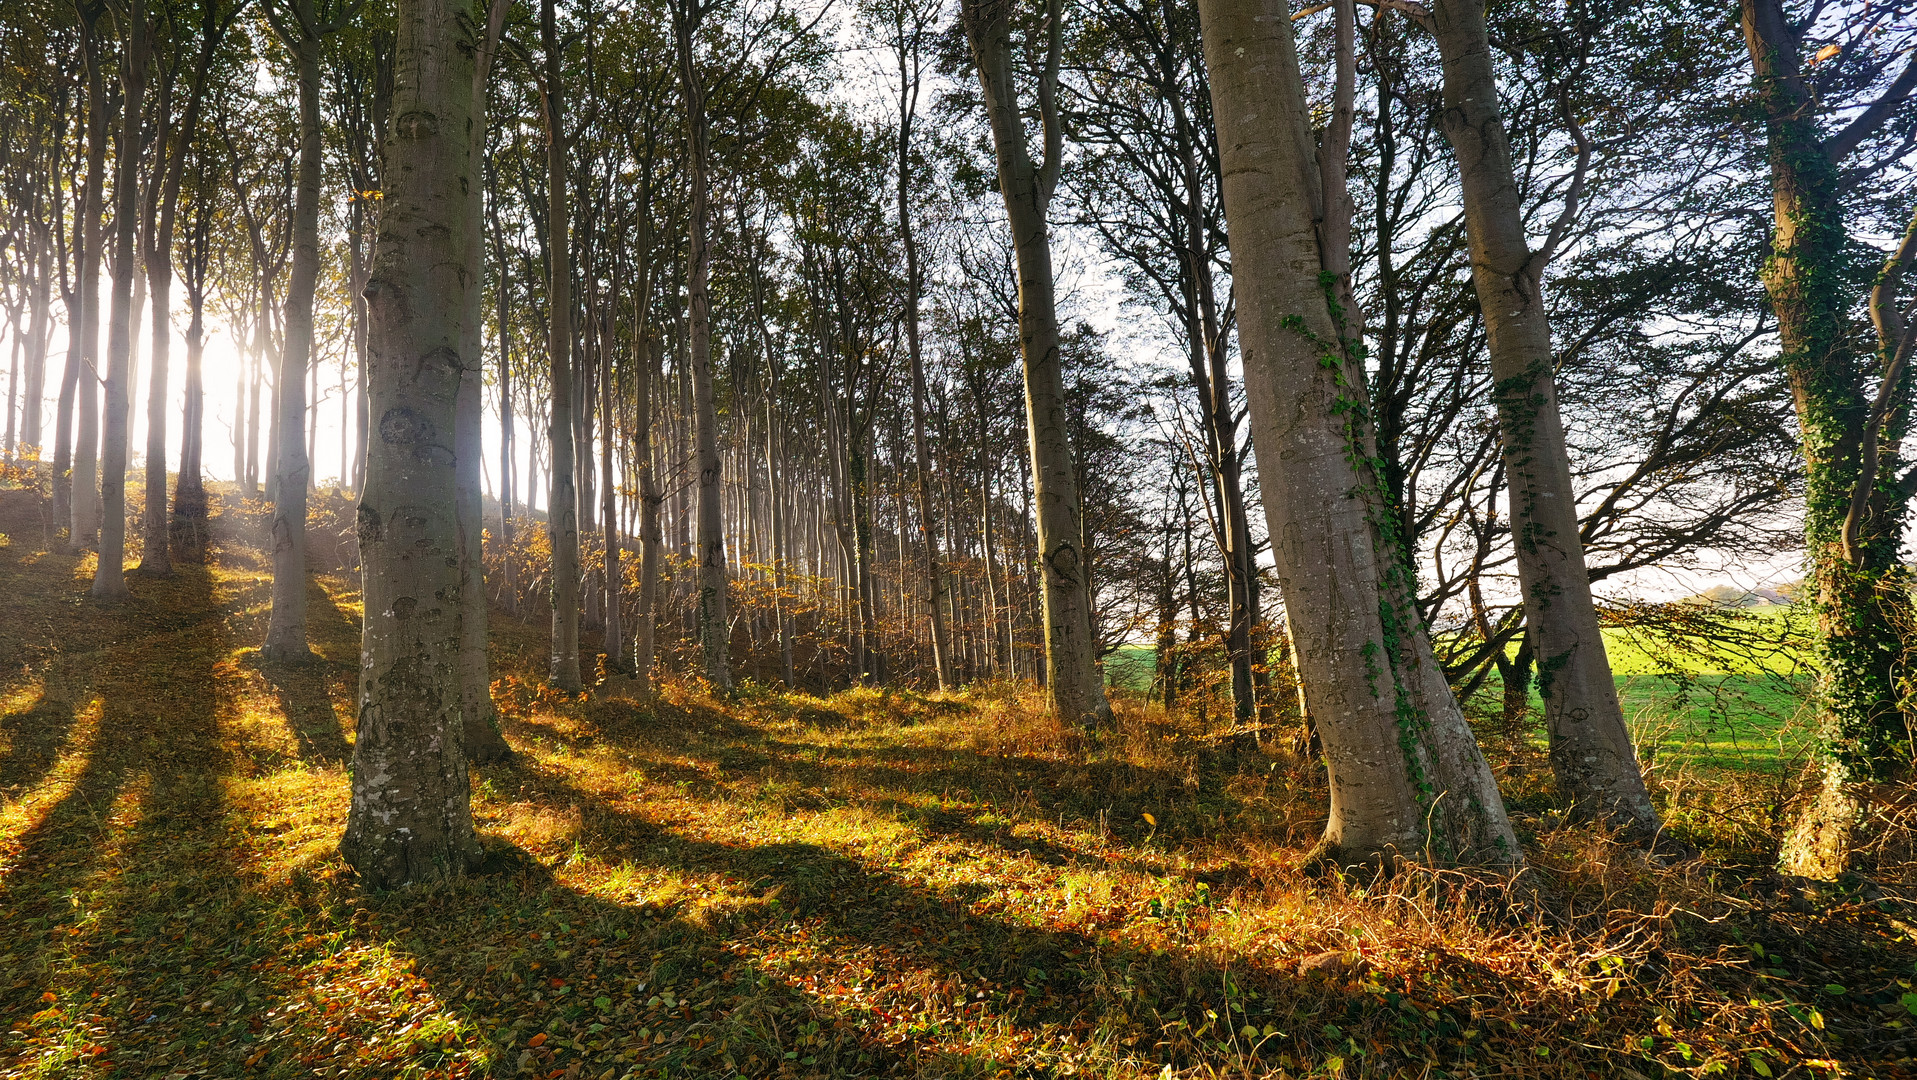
(1044, 788)
(306, 691)
(146, 802)
(983, 970)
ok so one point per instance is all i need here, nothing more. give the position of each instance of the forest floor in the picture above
(865, 884)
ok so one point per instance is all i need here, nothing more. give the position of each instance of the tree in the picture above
(1591, 752)
(562, 504)
(411, 815)
(715, 620)
(109, 575)
(1407, 779)
(1072, 678)
(1855, 503)
(302, 26)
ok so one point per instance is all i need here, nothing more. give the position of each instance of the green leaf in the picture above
(603, 1002)
(1909, 1001)
(1757, 1063)
(1833, 988)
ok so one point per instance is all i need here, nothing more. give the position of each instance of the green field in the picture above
(1715, 709)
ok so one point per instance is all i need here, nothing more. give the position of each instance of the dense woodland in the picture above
(1326, 392)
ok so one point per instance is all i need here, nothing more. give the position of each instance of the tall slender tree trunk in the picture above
(188, 530)
(503, 300)
(645, 647)
(39, 319)
(83, 529)
(928, 536)
(411, 815)
(1591, 753)
(608, 496)
(562, 501)
(480, 719)
(286, 626)
(1407, 779)
(1073, 681)
(109, 573)
(156, 552)
(714, 612)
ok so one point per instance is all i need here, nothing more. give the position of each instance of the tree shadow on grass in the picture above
(306, 691)
(951, 968)
(125, 849)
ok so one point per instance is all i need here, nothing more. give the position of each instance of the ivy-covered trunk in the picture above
(1855, 584)
(1407, 779)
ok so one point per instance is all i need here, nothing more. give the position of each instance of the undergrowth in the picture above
(870, 883)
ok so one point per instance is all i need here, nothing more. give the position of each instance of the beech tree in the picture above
(1073, 680)
(1407, 778)
(411, 816)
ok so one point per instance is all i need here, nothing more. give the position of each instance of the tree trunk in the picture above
(83, 530)
(1407, 780)
(562, 502)
(1591, 752)
(1859, 597)
(156, 553)
(38, 329)
(503, 298)
(714, 613)
(109, 573)
(480, 720)
(908, 58)
(608, 496)
(411, 815)
(188, 529)
(1073, 683)
(286, 626)
(644, 646)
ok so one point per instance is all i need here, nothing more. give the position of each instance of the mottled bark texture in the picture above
(1591, 753)
(1407, 779)
(1073, 681)
(411, 815)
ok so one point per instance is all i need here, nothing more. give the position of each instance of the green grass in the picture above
(1693, 706)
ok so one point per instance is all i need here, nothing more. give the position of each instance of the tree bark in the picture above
(286, 626)
(562, 501)
(109, 573)
(83, 530)
(411, 815)
(1858, 595)
(1407, 780)
(714, 611)
(1073, 683)
(1591, 753)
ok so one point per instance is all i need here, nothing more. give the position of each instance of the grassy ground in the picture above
(869, 884)
(1699, 712)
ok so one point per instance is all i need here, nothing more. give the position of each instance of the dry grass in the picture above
(868, 884)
